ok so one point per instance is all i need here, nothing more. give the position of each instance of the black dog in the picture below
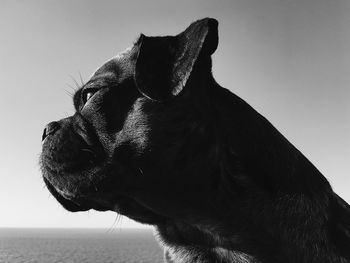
(155, 138)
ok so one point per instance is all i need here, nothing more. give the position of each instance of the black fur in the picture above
(162, 143)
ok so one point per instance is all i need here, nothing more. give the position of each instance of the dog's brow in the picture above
(101, 81)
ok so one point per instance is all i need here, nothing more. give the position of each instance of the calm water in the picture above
(78, 245)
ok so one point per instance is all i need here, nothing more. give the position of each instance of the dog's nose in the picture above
(50, 128)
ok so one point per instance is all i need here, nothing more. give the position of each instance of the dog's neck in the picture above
(265, 227)
(184, 243)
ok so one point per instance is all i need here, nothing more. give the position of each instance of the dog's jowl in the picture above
(156, 139)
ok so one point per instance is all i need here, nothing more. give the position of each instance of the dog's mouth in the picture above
(79, 176)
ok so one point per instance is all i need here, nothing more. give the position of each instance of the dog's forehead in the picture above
(119, 67)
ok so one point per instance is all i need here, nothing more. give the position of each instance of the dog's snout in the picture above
(50, 128)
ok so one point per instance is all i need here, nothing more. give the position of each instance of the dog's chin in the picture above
(122, 204)
(75, 202)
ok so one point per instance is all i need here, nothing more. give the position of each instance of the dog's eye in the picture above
(87, 94)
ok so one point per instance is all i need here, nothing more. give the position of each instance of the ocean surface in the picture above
(24, 245)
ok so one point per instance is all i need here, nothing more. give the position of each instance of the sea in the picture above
(24, 245)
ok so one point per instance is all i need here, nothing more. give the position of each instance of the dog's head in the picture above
(137, 143)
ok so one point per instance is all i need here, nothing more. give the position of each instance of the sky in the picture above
(289, 59)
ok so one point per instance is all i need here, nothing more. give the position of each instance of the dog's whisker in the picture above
(119, 221)
(75, 82)
(70, 94)
(71, 87)
(82, 83)
(115, 223)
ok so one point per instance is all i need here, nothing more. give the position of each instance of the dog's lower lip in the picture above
(64, 194)
(67, 203)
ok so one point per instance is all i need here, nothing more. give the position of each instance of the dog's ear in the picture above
(164, 64)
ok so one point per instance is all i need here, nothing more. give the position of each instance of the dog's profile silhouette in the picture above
(155, 138)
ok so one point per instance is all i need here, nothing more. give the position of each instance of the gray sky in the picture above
(289, 59)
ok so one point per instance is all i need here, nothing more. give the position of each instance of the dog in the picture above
(156, 139)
